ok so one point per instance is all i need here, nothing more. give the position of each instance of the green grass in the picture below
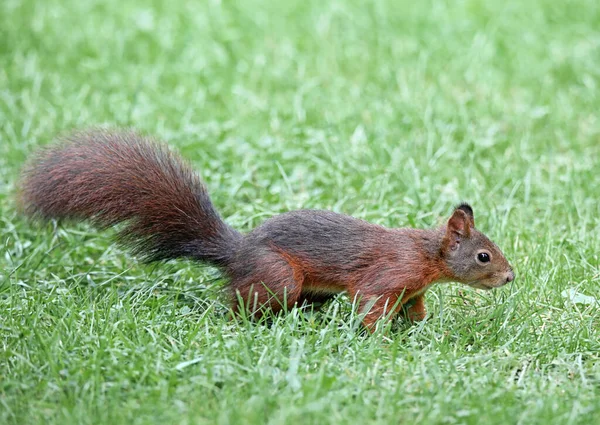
(392, 112)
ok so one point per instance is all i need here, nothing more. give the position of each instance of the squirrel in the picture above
(304, 256)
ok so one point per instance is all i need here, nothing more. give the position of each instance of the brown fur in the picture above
(297, 257)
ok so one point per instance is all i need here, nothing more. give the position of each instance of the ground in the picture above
(389, 111)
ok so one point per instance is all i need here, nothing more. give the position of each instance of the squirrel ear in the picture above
(466, 208)
(458, 227)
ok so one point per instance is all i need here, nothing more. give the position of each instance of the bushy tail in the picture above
(120, 177)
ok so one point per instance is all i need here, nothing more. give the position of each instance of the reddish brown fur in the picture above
(297, 257)
(383, 287)
(110, 178)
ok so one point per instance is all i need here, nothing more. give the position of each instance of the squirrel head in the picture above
(471, 257)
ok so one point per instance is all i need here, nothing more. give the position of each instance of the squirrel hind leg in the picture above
(275, 284)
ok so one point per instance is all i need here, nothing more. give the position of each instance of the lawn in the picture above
(391, 111)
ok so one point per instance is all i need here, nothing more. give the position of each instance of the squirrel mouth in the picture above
(492, 282)
(480, 285)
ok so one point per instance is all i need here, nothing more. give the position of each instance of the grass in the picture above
(392, 112)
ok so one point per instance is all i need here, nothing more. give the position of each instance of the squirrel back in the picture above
(300, 256)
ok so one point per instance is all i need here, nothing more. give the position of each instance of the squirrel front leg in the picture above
(416, 311)
(375, 307)
(387, 306)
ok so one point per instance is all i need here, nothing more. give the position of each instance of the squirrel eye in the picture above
(483, 257)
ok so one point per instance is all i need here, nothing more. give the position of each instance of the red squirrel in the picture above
(305, 256)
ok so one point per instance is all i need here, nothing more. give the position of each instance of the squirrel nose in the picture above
(510, 277)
